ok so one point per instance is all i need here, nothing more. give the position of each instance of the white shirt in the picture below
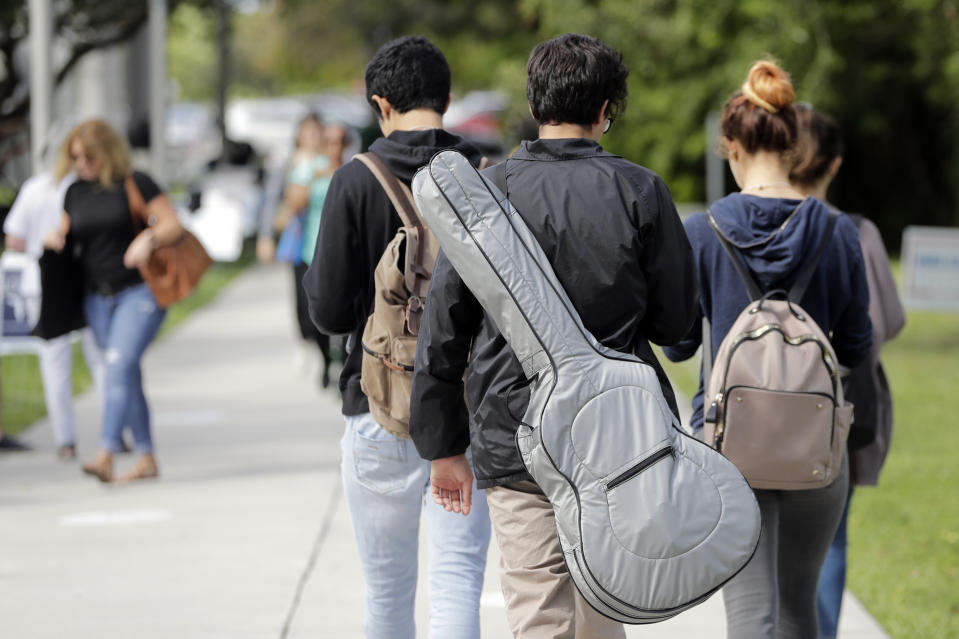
(37, 210)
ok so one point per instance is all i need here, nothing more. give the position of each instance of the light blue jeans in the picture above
(124, 324)
(386, 484)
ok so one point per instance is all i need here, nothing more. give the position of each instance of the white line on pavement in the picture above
(116, 518)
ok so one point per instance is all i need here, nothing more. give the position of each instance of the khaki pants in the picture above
(541, 600)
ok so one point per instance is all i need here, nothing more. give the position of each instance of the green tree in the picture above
(887, 70)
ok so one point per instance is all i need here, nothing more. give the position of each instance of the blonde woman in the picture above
(98, 229)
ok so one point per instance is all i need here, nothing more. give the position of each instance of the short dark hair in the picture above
(410, 72)
(569, 77)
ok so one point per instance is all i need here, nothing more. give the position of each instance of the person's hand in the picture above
(282, 217)
(139, 250)
(55, 241)
(451, 479)
(265, 250)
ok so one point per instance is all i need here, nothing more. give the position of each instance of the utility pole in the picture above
(157, 19)
(41, 79)
(223, 67)
(715, 171)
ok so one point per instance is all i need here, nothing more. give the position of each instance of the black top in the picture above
(358, 222)
(611, 233)
(102, 228)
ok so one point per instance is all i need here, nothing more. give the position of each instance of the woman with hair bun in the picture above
(776, 230)
(98, 228)
(866, 385)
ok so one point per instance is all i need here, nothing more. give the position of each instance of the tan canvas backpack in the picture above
(774, 403)
(401, 281)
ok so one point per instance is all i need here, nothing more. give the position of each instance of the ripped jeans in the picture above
(124, 324)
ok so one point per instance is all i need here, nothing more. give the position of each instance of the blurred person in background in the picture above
(37, 211)
(776, 230)
(866, 386)
(306, 175)
(98, 228)
(307, 178)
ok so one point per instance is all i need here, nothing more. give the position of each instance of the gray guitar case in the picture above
(651, 520)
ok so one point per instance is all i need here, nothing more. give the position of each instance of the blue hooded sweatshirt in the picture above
(837, 296)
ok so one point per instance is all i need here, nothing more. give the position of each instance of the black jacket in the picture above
(611, 232)
(357, 223)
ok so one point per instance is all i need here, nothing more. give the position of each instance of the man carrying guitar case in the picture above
(599, 537)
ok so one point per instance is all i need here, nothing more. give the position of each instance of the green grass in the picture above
(684, 376)
(22, 399)
(904, 534)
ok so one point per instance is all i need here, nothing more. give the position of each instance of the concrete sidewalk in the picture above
(246, 533)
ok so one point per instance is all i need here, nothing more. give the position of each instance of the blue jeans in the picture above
(124, 324)
(832, 580)
(386, 484)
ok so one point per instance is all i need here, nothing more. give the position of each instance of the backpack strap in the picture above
(417, 275)
(752, 288)
(805, 276)
(399, 193)
(707, 342)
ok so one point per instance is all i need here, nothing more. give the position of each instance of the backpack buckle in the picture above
(414, 311)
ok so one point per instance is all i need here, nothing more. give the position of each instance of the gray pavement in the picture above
(245, 534)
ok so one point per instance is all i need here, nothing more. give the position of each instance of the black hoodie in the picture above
(357, 223)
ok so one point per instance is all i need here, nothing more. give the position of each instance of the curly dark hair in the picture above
(569, 78)
(410, 72)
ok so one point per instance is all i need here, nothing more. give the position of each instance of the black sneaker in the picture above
(67, 452)
(11, 445)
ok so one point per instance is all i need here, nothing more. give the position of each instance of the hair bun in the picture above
(768, 82)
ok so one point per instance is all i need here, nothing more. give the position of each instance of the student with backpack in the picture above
(770, 237)
(610, 231)
(866, 385)
(363, 231)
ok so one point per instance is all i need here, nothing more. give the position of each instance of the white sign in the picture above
(19, 293)
(930, 267)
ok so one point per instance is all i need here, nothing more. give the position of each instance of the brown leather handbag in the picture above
(173, 271)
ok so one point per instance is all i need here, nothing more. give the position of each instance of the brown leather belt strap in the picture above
(135, 203)
(402, 200)
(399, 193)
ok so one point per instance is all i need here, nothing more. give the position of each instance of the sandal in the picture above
(146, 468)
(101, 467)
